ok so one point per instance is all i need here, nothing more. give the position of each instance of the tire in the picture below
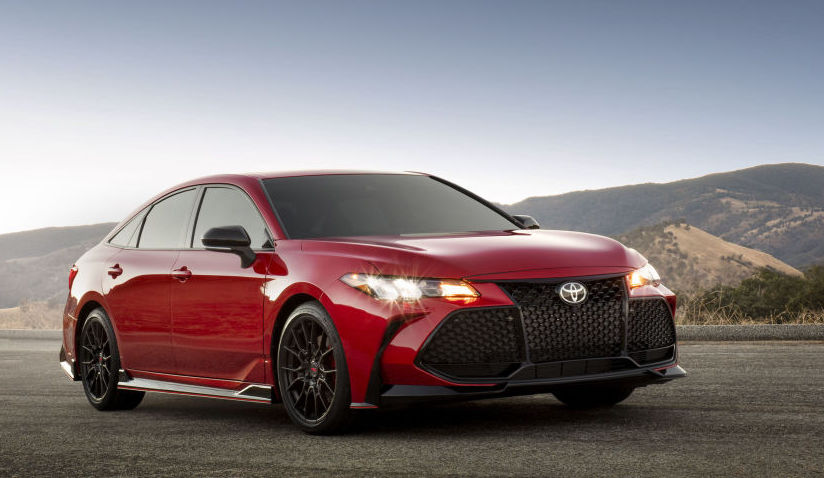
(311, 372)
(594, 396)
(98, 361)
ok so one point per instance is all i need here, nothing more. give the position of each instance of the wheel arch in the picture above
(290, 299)
(82, 314)
(289, 306)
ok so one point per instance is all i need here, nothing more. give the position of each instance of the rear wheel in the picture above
(99, 363)
(312, 377)
(593, 396)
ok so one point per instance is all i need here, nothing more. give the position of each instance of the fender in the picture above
(274, 302)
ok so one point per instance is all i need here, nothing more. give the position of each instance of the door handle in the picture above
(182, 274)
(114, 271)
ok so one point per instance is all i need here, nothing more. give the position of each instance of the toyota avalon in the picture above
(335, 291)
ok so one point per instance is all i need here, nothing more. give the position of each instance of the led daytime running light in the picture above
(393, 288)
(646, 275)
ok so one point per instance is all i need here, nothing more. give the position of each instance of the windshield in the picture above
(376, 205)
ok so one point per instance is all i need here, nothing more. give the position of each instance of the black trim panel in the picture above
(409, 394)
(373, 389)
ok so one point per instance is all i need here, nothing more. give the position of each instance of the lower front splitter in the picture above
(406, 394)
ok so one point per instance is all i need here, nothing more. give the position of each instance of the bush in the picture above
(767, 297)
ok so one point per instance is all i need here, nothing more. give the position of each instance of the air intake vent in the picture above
(649, 325)
(476, 343)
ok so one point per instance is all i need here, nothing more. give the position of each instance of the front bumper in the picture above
(523, 341)
(399, 395)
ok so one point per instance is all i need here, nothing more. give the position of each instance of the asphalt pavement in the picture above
(746, 409)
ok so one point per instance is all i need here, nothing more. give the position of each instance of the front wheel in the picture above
(311, 371)
(593, 396)
(99, 362)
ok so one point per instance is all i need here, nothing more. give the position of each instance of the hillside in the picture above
(776, 208)
(39, 242)
(690, 259)
(34, 264)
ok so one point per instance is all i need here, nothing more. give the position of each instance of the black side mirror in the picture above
(527, 222)
(232, 239)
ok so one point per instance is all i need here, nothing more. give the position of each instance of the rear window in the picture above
(166, 222)
(127, 236)
(377, 204)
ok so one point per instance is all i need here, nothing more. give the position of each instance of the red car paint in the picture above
(195, 317)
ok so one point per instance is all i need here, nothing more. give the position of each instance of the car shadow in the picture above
(533, 414)
(536, 414)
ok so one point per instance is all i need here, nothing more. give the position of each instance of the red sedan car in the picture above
(333, 291)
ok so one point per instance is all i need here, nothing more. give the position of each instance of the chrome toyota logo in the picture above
(572, 292)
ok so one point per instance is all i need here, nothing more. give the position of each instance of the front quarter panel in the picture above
(359, 319)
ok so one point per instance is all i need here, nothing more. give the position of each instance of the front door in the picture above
(218, 316)
(217, 305)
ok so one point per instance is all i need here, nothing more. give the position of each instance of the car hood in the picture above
(488, 255)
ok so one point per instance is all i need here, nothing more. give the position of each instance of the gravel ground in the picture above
(746, 409)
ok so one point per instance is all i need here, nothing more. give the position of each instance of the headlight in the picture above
(646, 275)
(409, 289)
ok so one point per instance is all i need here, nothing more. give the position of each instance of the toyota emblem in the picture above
(572, 292)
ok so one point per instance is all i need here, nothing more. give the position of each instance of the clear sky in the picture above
(104, 104)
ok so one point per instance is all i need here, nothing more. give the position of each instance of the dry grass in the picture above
(32, 315)
(709, 311)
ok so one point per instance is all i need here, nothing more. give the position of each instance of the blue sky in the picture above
(104, 104)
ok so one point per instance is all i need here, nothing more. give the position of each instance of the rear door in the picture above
(217, 305)
(138, 282)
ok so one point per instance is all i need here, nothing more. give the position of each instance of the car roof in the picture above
(246, 179)
(287, 174)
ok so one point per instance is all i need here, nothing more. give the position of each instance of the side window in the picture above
(166, 222)
(230, 207)
(127, 237)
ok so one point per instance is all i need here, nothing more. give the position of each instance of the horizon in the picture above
(105, 105)
(115, 221)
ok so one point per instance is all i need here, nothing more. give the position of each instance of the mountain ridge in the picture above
(37, 242)
(34, 264)
(759, 168)
(777, 208)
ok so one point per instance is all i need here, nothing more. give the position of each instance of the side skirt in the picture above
(67, 366)
(250, 393)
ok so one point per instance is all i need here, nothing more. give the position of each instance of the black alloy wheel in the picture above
(96, 360)
(99, 364)
(312, 376)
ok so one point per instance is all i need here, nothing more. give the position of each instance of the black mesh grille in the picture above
(649, 325)
(561, 339)
(557, 331)
(476, 336)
